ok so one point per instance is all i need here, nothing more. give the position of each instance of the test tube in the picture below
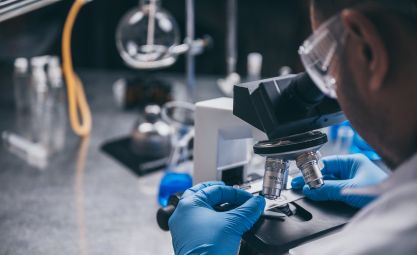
(39, 102)
(254, 66)
(57, 105)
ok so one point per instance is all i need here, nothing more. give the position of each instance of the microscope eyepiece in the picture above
(302, 91)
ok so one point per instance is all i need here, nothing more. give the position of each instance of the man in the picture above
(374, 66)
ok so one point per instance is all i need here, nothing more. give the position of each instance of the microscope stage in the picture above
(310, 220)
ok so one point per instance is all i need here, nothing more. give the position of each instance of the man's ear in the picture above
(374, 51)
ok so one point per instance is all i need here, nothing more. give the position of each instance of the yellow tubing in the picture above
(79, 110)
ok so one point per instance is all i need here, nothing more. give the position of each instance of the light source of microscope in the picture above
(287, 109)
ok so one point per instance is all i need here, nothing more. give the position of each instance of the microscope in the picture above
(289, 110)
(283, 116)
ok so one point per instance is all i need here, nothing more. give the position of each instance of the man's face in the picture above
(352, 75)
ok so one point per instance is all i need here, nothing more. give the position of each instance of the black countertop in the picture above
(101, 208)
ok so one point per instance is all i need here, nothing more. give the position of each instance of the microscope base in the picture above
(311, 220)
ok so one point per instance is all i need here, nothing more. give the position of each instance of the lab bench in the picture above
(84, 202)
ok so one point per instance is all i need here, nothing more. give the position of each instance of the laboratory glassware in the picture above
(148, 38)
(254, 66)
(180, 116)
(151, 137)
(40, 106)
(177, 178)
(21, 83)
(146, 35)
(77, 99)
(57, 104)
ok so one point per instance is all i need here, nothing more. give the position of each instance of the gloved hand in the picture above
(344, 172)
(196, 228)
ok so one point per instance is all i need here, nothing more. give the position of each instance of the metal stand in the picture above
(190, 65)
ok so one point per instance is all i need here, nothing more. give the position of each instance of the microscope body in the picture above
(288, 109)
(222, 143)
(281, 114)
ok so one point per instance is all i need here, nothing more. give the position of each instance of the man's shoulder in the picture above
(387, 226)
(399, 199)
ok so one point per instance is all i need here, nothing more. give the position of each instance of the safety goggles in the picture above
(320, 54)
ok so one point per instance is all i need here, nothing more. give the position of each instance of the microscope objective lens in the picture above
(309, 165)
(276, 171)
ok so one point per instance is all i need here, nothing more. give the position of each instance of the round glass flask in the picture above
(146, 36)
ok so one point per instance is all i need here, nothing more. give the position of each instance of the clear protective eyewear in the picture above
(319, 54)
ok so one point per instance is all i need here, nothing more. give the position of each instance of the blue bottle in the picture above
(171, 183)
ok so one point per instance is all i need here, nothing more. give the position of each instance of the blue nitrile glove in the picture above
(196, 228)
(344, 172)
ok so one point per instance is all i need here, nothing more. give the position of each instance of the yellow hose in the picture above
(79, 110)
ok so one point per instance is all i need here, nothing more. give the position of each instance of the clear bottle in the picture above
(56, 104)
(21, 82)
(254, 66)
(40, 106)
